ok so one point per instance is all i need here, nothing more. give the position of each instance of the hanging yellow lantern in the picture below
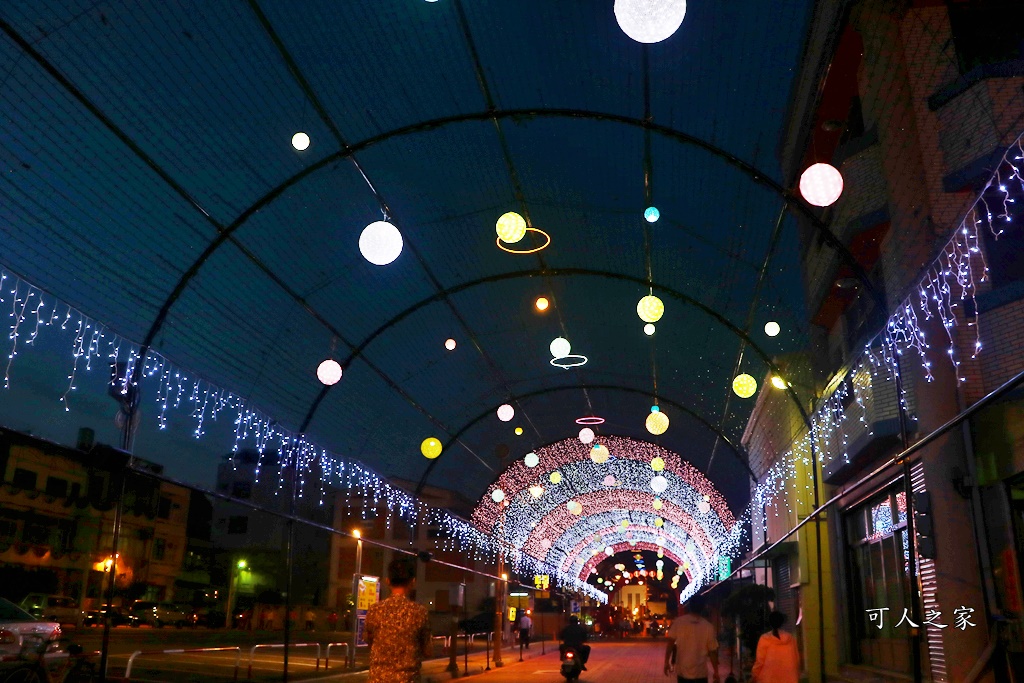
(430, 448)
(657, 423)
(650, 309)
(659, 522)
(511, 227)
(555, 477)
(658, 463)
(599, 454)
(657, 504)
(744, 385)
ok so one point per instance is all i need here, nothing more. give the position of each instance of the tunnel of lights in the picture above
(615, 508)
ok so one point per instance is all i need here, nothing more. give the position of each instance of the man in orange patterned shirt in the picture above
(398, 629)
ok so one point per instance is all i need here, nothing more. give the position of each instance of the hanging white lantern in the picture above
(536, 490)
(586, 435)
(560, 347)
(608, 480)
(656, 423)
(599, 454)
(659, 484)
(497, 495)
(821, 184)
(704, 507)
(609, 551)
(531, 460)
(772, 328)
(329, 372)
(545, 543)
(380, 243)
(649, 21)
(506, 412)
(649, 329)
(300, 141)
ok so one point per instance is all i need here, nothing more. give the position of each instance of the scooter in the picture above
(572, 665)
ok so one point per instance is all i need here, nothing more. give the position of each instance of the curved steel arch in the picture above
(753, 172)
(740, 454)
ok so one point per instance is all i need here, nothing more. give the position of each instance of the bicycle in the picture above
(53, 661)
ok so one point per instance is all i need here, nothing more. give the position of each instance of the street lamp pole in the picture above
(355, 595)
(499, 599)
(233, 580)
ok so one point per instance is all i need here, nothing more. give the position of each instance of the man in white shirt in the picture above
(692, 642)
(525, 625)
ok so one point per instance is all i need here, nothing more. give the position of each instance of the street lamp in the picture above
(355, 594)
(240, 566)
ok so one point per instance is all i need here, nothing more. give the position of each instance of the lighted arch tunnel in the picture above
(695, 521)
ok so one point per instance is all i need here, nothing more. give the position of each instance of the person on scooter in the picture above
(574, 636)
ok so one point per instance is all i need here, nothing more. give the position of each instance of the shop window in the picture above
(57, 487)
(987, 32)
(24, 479)
(238, 524)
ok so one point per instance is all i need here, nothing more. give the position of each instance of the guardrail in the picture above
(139, 653)
(472, 636)
(446, 641)
(327, 655)
(274, 646)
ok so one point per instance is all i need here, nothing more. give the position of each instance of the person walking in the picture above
(332, 621)
(525, 626)
(692, 643)
(398, 629)
(310, 619)
(778, 657)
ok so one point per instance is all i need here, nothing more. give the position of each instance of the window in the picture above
(986, 32)
(241, 489)
(36, 533)
(56, 487)
(238, 524)
(159, 549)
(24, 479)
(164, 508)
(8, 529)
(97, 486)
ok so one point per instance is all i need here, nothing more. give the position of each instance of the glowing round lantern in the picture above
(651, 214)
(657, 504)
(821, 184)
(449, 344)
(536, 490)
(649, 329)
(506, 412)
(608, 480)
(599, 454)
(704, 507)
(586, 435)
(511, 227)
(329, 372)
(575, 507)
(744, 385)
(531, 460)
(542, 303)
(430, 448)
(658, 463)
(555, 477)
(659, 484)
(300, 141)
(519, 431)
(560, 347)
(497, 495)
(772, 328)
(657, 423)
(609, 551)
(659, 522)
(545, 543)
(650, 309)
(649, 21)
(380, 243)
(624, 523)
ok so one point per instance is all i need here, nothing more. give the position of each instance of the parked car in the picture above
(159, 614)
(18, 628)
(118, 617)
(57, 608)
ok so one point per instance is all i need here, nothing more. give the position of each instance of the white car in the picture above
(57, 608)
(19, 629)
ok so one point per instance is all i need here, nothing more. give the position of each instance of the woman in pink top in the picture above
(778, 659)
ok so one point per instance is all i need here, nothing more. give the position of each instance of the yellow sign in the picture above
(541, 581)
(512, 615)
(369, 592)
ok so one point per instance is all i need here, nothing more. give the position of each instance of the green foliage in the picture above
(749, 608)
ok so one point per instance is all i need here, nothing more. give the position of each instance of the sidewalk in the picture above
(436, 670)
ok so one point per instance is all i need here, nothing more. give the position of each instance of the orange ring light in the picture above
(547, 238)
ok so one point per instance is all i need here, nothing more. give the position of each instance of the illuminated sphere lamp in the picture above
(560, 347)
(704, 507)
(586, 435)
(450, 344)
(575, 507)
(380, 243)
(658, 463)
(744, 385)
(649, 21)
(659, 484)
(511, 227)
(609, 480)
(657, 423)
(772, 328)
(300, 141)
(778, 382)
(609, 551)
(599, 454)
(657, 504)
(649, 329)
(545, 543)
(659, 522)
(651, 214)
(542, 303)
(650, 308)
(497, 495)
(536, 490)
(821, 184)
(506, 412)
(555, 477)
(624, 523)
(659, 564)
(329, 372)
(519, 431)
(531, 460)
(430, 448)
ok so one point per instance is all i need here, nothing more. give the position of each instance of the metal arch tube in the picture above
(740, 454)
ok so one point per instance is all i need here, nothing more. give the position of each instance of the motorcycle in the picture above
(572, 665)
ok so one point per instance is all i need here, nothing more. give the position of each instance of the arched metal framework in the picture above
(737, 451)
